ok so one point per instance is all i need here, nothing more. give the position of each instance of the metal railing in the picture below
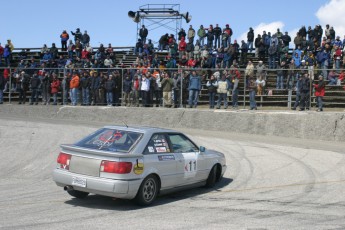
(179, 96)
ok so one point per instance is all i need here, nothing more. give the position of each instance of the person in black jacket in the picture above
(94, 87)
(250, 39)
(35, 84)
(77, 35)
(143, 32)
(217, 31)
(109, 86)
(305, 90)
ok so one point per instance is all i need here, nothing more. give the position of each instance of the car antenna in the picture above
(125, 124)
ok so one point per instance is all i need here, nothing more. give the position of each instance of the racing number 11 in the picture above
(192, 166)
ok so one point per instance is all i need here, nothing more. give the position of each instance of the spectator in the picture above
(70, 49)
(260, 84)
(55, 88)
(173, 48)
(252, 91)
(135, 91)
(2, 87)
(22, 86)
(212, 90)
(143, 32)
(108, 63)
(194, 89)
(182, 47)
(117, 89)
(64, 38)
(85, 83)
(244, 52)
(319, 93)
(332, 77)
(304, 90)
(127, 89)
(287, 39)
(77, 35)
(74, 85)
(272, 52)
(191, 34)
(210, 38)
(163, 42)
(261, 69)
(54, 51)
(181, 33)
(45, 87)
(201, 34)
(109, 87)
(1, 53)
(7, 55)
(217, 32)
(250, 39)
(145, 87)
(94, 87)
(226, 36)
(85, 39)
(65, 88)
(35, 83)
(256, 44)
(78, 49)
(167, 87)
(190, 49)
(223, 88)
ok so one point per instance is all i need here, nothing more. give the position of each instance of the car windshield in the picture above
(112, 140)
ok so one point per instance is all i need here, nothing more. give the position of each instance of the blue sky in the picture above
(37, 22)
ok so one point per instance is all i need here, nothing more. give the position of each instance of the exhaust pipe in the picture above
(68, 188)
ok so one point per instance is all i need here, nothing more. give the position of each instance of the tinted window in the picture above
(181, 144)
(157, 144)
(110, 140)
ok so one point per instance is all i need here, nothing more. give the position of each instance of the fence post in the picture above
(10, 87)
(244, 91)
(289, 98)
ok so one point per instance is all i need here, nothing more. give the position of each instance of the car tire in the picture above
(212, 178)
(78, 194)
(148, 191)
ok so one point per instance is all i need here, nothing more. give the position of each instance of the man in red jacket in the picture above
(319, 93)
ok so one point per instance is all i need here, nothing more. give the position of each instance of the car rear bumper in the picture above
(126, 189)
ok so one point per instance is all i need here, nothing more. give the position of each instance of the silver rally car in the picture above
(135, 163)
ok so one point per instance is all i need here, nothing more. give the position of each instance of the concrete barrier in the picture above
(329, 126)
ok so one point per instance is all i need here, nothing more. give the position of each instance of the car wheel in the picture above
(212, 178)
(148, 191)
(78, 194)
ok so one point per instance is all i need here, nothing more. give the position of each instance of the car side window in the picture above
(157, 144)
(181, 144)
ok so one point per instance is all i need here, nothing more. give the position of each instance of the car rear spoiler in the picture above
(77, 149)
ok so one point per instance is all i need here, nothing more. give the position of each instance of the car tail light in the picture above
(116, 167)
(63, 160)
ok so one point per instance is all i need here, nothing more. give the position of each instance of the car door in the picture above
(191, 163)
(160, 159)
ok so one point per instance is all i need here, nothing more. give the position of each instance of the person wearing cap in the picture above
(77, 35)
(319, 93)
(64, 38)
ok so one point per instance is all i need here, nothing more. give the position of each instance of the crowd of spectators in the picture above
(204, 58)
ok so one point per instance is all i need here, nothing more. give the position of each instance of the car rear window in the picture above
(112, 140)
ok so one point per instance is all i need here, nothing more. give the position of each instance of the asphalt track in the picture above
(271, 183)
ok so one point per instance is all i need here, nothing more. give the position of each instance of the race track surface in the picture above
(271, 183)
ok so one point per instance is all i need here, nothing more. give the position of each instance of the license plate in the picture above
(77, 181)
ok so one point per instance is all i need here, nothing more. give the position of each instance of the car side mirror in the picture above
(202, 149)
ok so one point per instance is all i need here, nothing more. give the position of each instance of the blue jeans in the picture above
(252, 99)
(319, 102)
(86, 96)
(250, 46)
(217, 41)
(70, 55)
(74, 96)
(202, 41)
(109, 96)
(235, 98)
(211, 99)
(34, 95)
(55, 98)
(297, 101)
(1, 96)
(272, 61)
(193, 97)
(222, 97)
(333, 81)
(280, 82)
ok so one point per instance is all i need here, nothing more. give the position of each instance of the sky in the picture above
(30, 24)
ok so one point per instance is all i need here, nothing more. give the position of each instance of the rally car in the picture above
(135, 163)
